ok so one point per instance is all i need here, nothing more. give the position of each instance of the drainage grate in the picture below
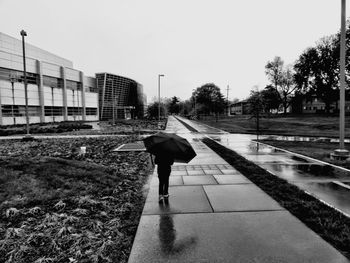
(131, 147)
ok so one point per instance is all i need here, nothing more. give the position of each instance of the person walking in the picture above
(164, 163)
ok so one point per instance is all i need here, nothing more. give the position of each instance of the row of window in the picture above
(321, 108)
(20, 111)
(18, 76)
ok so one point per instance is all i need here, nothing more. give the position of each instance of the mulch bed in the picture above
(57, 205)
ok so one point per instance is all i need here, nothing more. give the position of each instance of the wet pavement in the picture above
(309, 174)
(215, 214)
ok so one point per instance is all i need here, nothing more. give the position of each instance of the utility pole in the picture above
(342, 153)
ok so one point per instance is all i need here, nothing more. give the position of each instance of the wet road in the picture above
(328, 183)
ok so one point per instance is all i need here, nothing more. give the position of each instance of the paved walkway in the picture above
(215, 214)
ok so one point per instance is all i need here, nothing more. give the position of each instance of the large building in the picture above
(239, 108)
(120, 97)
(56, 91)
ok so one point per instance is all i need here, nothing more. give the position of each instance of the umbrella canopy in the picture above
(171, 144)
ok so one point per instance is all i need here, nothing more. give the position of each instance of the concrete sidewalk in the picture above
(215, 214)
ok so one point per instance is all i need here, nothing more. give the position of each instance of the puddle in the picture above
(295, 172)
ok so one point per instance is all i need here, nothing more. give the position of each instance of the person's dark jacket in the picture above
(164, 160)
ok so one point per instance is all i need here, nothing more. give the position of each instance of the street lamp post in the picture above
(12, 80)
(342, 153)
(160, 75)
(23, 34)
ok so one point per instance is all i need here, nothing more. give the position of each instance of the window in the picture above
(18, 76)
(19, 111)
(91, 111)
(72, 111)
(315, 108)
(73, 85)
(91, 89)
(52, 82)
(53, 111)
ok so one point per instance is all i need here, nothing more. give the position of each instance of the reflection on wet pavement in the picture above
(167, 236)
(296, 172)
(311, 175)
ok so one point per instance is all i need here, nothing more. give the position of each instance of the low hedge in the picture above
(62, 127)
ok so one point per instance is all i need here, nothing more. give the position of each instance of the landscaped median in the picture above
(57, 205)
(331, 225)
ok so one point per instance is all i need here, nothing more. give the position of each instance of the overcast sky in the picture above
(191, 42)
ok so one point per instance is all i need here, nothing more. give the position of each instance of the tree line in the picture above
(314, 74)
(205, 100)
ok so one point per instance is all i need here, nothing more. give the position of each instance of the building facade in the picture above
(56, 91)
(119, 97)
(239, 108)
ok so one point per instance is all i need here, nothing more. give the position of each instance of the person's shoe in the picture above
(166, 199)
(160, 199)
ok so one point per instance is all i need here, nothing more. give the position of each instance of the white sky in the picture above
(191, 42)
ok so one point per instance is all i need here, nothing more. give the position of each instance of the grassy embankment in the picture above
(330, 224)
(303, 125)
(58, 206)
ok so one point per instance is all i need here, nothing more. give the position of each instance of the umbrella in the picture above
(169, 143)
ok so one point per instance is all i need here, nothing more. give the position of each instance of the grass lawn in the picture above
(317, 150)
(328, 223)
(303, 125)
(58, 206)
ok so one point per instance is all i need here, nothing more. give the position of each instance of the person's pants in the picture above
(163, 176)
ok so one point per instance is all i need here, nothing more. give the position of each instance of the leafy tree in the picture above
(317, 71)
(274, 71)
(152, 110)
(256, 106)
(173, 105)
(185, 107)
(209, 99)
(282, 78)
(271, 98)
(287, 87)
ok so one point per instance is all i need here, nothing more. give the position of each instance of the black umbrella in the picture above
(171, 144)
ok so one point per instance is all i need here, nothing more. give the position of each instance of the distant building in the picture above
(316, 105)
(120, 97)
(56, 91)
(239, 108)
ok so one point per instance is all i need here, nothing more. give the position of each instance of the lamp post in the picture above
(160, 75)
(12, 80)
(342, 153)
(23, 34)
